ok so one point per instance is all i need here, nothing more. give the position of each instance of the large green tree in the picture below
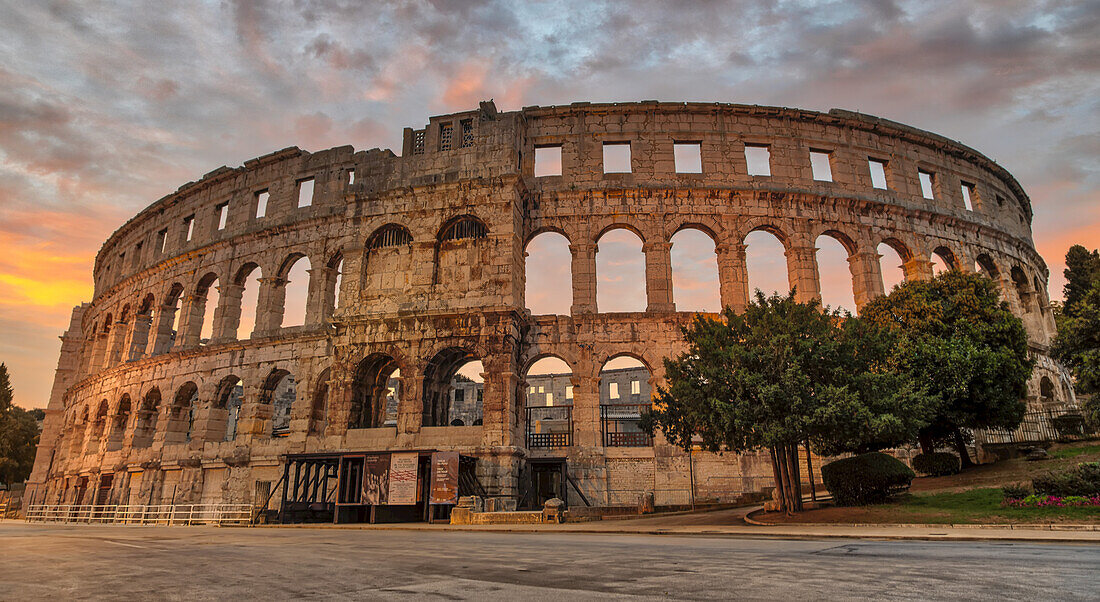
(958, 338)
(1078, 342)
(778, 375)
(18, 435)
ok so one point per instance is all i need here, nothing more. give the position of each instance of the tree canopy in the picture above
(955, 336)
(779, 375)
(1078, 342)
(18, 435)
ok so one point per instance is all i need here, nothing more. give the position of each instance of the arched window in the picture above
(1019, 280)
(835, 273)
(453, 389)
(1046, 390)
(375, 392)
(296, 291)
(766, 263)
(332, 287)
(118, 424)
(695, 271)
(249, 278)
(620, 272)
(391, 235)
(207, 295)
(145, 424)
(317, 419)
(624, 396)
(549, 407)
(182, 418)
(892, 264)
(389, 267)
(464, 227)
(280, 392)
(548, 282)
(228, 400)
(943, 259)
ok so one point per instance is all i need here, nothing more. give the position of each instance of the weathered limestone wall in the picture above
(413, 257)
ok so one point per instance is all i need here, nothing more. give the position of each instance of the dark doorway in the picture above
(547, 480)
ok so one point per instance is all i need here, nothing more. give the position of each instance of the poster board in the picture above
(376, 479)
(402, 478)
(444, 478)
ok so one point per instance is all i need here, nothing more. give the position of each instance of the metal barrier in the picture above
(164, 514)
(549, 426)
(1038, 426)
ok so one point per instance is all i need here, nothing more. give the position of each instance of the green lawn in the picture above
(1073, 452)
(981, 506)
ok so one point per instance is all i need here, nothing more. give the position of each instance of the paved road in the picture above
(63, 562)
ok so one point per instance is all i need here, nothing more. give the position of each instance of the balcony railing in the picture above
(549, 426)
(619, 423)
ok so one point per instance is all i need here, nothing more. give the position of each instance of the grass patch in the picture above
(1073, 452)
(982, 506)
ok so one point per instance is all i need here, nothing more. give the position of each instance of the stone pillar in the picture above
(99, 352)
(162, 340)
(322, 296)
(498, 407)
(270, 304)
(410, 407)
(917, 268)
(658, 276)
(227, 315)
(583, 270)
(733, 276)
(866, 277)
(586, 411)
(139, 338)
(115, 342)
(190, 324)
(802, 272)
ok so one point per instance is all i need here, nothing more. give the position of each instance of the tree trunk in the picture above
(794, 478)
(925, 440)
(780, 483)
(960, 446)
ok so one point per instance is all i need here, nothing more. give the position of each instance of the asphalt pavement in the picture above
(77, 562)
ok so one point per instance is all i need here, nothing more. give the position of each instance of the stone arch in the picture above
(376, 391)
(318, 405)
(292, 286)
(1020, 282)
(119, 421)
(617, 224)
(181, 418)
(334, 279)
(145, 421)
(226, 412)
(947, 256)
(204, 305)
(621, 270)
(766, 260)
(694, 264)
(279, 393)
(443, 405)
(168, 323)
(625, 392)
(776, 228)
(1047, 392)
(462, 227)
(836, 282)
(388, 262)
(547, 388)
(99, 421)
(244, 305)
(549, 288)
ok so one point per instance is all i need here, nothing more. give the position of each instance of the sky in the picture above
(106, 107)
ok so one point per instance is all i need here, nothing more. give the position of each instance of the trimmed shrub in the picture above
(936, 464)
(868, 478)
(1015, 491)
(1082, 480)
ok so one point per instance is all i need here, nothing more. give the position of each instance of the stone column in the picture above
(115, 343)
(658, 276)
(917, 268)
(270, 304)
(190, 324)
(586, 411)
(733, 276)
(498, 407)
(139, 338)
(162, 340)
(866, 277)
(99, 353)
(802, 272)
(322, 296)
(410, 407)
(227, 315)
(583, 270)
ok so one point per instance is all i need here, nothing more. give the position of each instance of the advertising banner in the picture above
(444, 478)
(403, 478)
(376, 479)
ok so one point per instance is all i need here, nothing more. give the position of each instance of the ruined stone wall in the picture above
(428, 251)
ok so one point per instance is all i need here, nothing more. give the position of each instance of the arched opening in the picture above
(140, 344)
(835, 273)
(118, 424)
(624, 395)
(943, 259)
(548, 275)
(695, 271)
(891, 265)
(227, 404)
(375, 392)
(1019, 281)
(168, 323)
(296, 291)
(181, 420)
(766, 264)
(549, 407)
(248, 278)
(463, 257)
(333, 284)
(317, 420)
(1046, 390)
(279, 391)
(388, 263)
(145, 424)
(620, 272)
(453, 389)
(99, 427)
(78, 432)
(207, 294)
(985, 266)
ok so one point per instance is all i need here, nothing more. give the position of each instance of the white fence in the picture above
(165, 514)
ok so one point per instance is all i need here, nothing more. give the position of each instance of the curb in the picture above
(1006, 526)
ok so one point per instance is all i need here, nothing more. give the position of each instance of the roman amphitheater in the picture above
(190, 378)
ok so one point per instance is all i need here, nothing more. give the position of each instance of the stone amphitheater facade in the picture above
(428, 249)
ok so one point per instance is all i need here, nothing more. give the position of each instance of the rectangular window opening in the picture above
(569, 391)
(547, 161)
(351, 176)
(688, 157)
(758, 159)
(878, 173)
(137, 255)
(616, 157)
(305, 192)
(635, 387)
(926, 180)
(549, 399)
(820, 165)
(613, 391)
(223, 215)
(446, 133)
(189, 227)
(418, 142)
(162, 240)
(467, 132)
(968, 196)
(261, 203)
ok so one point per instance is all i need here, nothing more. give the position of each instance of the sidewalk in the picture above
(730, 523)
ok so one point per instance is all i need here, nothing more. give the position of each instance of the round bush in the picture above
(868, 478)
(936, 464)
(1082, 480)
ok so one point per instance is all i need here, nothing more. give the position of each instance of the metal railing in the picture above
(549, 426)
(1038, 426)
(619, 423)
(162, 514)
